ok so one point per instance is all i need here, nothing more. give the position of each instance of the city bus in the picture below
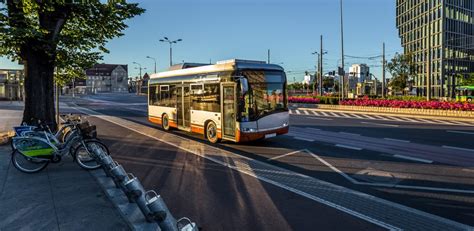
(235, 100)
(465, 94)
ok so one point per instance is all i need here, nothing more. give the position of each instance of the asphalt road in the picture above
(426, 166)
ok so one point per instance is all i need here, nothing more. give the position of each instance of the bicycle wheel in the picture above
(86, 158)
(28, 164)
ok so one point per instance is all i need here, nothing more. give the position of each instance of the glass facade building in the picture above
(439, 34)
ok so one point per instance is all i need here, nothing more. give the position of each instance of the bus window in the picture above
(206, 99)
(153, 95)
(164, 95)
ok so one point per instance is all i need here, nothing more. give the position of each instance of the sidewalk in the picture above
(61, 197)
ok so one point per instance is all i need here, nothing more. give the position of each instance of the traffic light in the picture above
(340, 71)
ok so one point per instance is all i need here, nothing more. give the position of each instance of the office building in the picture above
(438, 34)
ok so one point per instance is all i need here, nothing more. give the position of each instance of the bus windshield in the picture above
(266, 94)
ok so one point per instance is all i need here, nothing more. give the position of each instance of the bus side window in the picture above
(164, 96)
(152, 95)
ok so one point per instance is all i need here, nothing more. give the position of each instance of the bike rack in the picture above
(159, 212)
(151, 204)
(137, 192)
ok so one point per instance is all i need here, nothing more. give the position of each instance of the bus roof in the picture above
(226, 65)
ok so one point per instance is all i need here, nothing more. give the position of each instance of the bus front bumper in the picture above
(250, 135)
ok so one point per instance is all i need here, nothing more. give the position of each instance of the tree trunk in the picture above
(39, 88)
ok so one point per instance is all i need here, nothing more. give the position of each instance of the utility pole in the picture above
(318, 73)
(320, 87)
(428, 63)
(383, 72)
(268, 56)
(342, 55)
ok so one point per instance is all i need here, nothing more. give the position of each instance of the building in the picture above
(439, 36)
(360, 71)
(107, 78)
(11, 84)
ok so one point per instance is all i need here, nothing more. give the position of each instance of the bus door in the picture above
(228, 107)
(183, 107)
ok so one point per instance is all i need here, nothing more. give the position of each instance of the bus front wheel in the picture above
(211, 132)
(165, 122)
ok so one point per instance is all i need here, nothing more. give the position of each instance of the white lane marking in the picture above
(346, 115)
(460, 132)
(315, 113)
(458, 148)
(387, 125)
(287, 154)
(298, 112)
(395, 118)
(348, 147)
(323, 113)
(367, 116)
(425, 121)
(354, 181)
(409, 119)
(291, 111)
(460, 123)
(314, 129)
(304, 139)
(413, 158)
(357, 116)
(397, 140)
(380, 117)
(317, 118)
(446, 122)
(334, 114)
(348, 133)
(306, 112)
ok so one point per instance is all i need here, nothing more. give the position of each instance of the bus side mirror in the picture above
(244, 86)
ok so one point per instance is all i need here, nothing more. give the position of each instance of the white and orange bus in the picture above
(236, 100)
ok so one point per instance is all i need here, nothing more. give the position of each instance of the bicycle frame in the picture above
(35, 146)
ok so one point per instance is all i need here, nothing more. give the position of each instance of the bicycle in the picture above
(34, 150)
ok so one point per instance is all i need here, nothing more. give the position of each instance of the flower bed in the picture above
(303, 99)
(409, 104)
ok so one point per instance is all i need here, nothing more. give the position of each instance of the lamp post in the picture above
(136, 83)
(154, 59)
(171, 47)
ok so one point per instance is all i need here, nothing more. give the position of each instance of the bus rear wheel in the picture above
(211, 132)
(165, 122)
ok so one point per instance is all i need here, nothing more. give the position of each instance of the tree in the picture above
(465, 80)
(402, 69)
(59, 37)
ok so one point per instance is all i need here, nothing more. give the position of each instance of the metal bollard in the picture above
(137, 192)
(159, 212)
(188, 226)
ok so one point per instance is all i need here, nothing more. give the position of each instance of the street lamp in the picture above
(171, 47)
(154, 59)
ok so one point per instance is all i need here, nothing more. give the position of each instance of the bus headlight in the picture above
(249, 130)
(285, 124)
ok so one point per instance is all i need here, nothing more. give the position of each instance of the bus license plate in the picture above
(270, 135)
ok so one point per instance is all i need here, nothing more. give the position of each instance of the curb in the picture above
(5, 137)
(128, 211)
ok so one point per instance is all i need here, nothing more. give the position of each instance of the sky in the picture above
(214, 30)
